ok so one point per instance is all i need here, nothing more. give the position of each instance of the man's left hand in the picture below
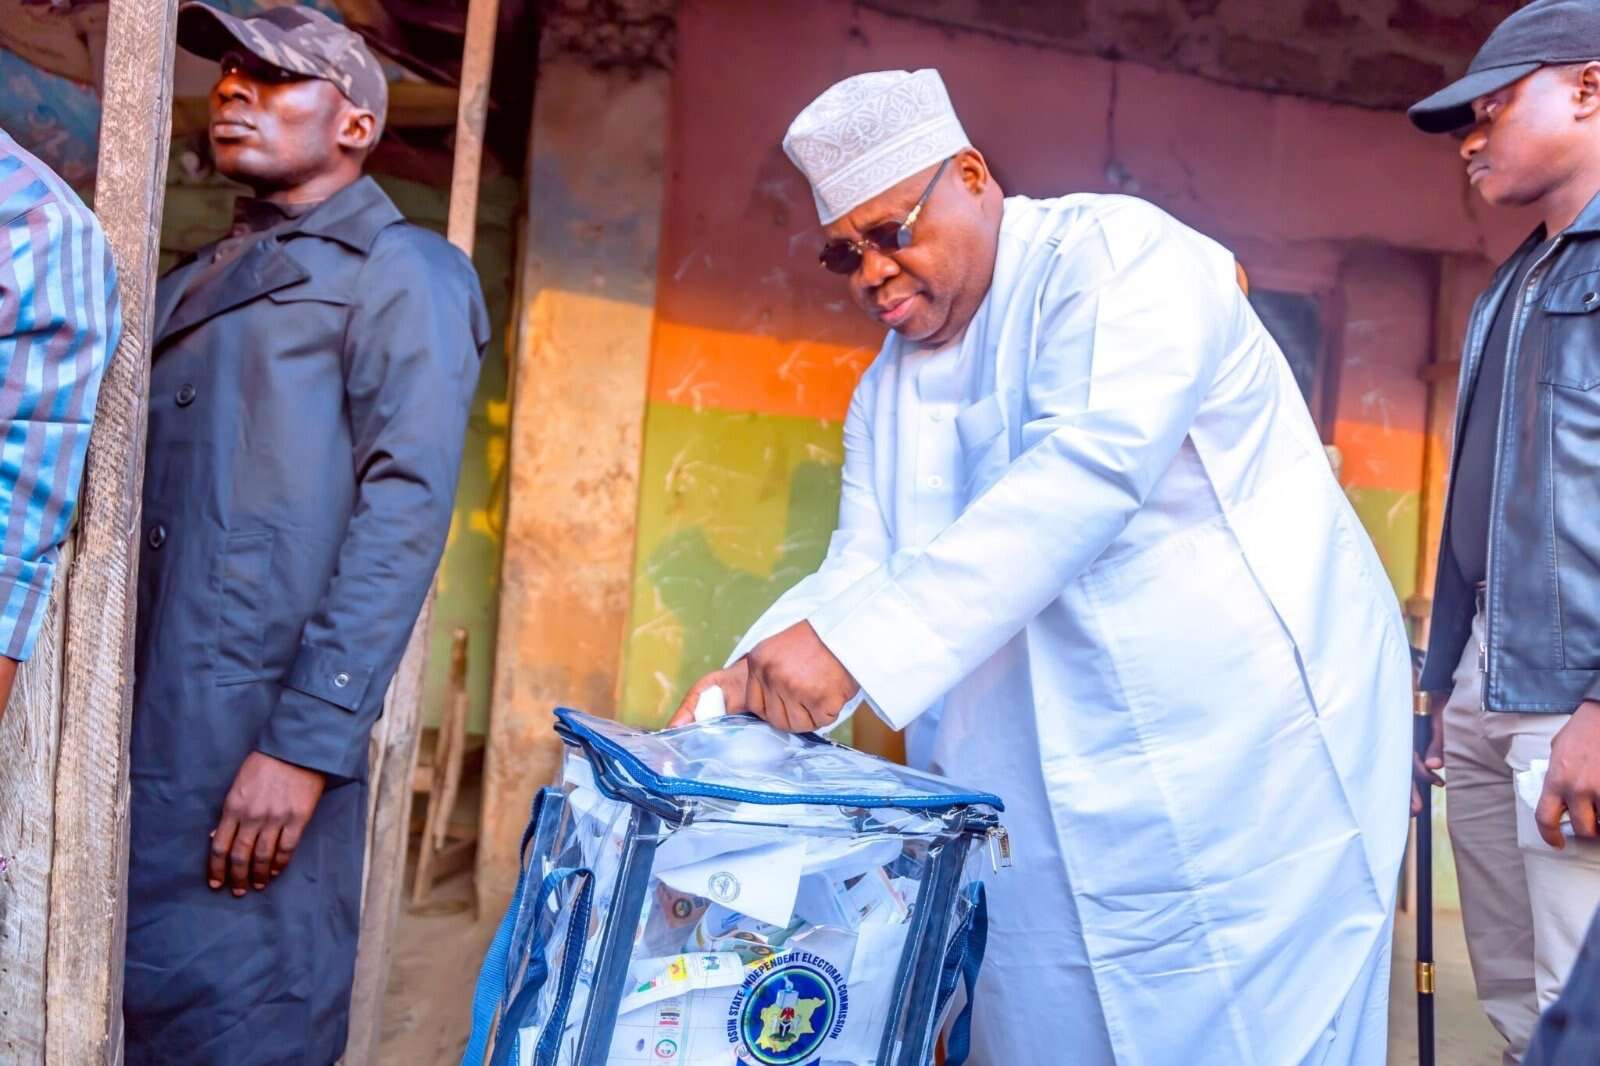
(1573, 781)
(795, 683)
(266, 812)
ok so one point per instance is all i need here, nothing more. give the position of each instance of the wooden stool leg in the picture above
(446, 771)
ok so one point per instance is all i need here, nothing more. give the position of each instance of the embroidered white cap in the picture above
(871, 132)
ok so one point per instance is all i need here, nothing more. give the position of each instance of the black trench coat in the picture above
(307, 412)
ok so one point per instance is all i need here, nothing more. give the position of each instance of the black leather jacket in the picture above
(1543, 605)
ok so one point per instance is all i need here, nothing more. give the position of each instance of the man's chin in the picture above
(919, 329)
(238, 163)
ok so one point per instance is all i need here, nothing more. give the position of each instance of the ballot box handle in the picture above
(506, 1036)
(489, 996)
(571, 963)
(962, 961)
(492, 976)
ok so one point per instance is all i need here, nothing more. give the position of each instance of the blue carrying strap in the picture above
(491, 987)
(962, 961)
(490, 991)
(521, 1006)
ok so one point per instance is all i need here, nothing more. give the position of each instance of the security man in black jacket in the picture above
(312, 377)
(1514, 647)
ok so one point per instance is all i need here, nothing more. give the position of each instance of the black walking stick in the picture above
(1421, 734)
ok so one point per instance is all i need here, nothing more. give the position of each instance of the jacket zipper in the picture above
(1513, 343)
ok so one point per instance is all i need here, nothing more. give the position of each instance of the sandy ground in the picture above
(428, 1011)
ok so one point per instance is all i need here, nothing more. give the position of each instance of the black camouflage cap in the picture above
(301, 40)
(1545, 33)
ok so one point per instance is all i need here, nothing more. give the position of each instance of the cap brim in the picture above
(1450, 108)
(209, 33)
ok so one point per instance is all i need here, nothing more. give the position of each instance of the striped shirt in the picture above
(59, 322)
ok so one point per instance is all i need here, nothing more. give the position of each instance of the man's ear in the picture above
(1588, 97)
(972, 170)
(358, 129)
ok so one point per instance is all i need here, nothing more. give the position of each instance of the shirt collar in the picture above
(353, 216)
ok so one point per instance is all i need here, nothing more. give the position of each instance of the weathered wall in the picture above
(1376, 53)
(588, 278)
(756, 350)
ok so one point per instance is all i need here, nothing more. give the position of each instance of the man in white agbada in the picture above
(1086, 520)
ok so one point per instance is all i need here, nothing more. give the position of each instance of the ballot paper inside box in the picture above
(726, 894)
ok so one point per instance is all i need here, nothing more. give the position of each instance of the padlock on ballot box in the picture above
(727, 894)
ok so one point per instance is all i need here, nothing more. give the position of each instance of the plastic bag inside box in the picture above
(726, 893)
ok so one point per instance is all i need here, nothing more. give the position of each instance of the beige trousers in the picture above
(1525, 906)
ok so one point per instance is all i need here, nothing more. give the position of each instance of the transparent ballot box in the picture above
(727, 894)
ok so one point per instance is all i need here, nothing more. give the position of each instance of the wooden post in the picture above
(88, 884)
(581, 359)
(29, 735)
(477, 64)
(393, 770)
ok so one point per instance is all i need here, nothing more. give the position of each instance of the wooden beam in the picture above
(391, 810)
(88, 883)
(477, 66)
(29, 735)
(386, 848)
(412, 105)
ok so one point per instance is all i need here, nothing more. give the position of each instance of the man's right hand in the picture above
(732, 681)
(1425, 767)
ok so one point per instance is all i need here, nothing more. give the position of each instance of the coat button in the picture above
(341, 680)
(1591, 298)
(185, 395)
(158, 535)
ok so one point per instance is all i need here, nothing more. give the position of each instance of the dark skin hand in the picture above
(291, 139)
(8, 678)
(1572, 784)
(263, 819)
(791, 680)
(1425, 767)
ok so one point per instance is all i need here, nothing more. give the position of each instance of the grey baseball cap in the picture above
(1545, 33)
(301, 40)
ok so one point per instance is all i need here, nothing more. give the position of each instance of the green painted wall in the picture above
(734, 508)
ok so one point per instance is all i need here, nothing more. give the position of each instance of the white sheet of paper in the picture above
(761, 882)
(873, 968)
(676, 975)
(846, 857)
(698, 843)
(689, 1030)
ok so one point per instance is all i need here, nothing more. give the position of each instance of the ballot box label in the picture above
(787, 1006)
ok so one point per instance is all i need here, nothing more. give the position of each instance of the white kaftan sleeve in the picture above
(1135, 319)
(860, 543)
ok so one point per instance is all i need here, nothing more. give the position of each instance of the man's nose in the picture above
(232, 86)
(1473, 142)
(877, 268)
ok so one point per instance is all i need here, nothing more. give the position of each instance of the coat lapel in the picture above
(265, 267)
(168, 290)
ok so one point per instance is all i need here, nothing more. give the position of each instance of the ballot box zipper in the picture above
(999, 848)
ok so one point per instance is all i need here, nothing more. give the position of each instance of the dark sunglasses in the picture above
(844, 256)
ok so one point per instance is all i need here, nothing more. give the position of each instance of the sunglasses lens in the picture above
(889, 236)
(841, 257)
